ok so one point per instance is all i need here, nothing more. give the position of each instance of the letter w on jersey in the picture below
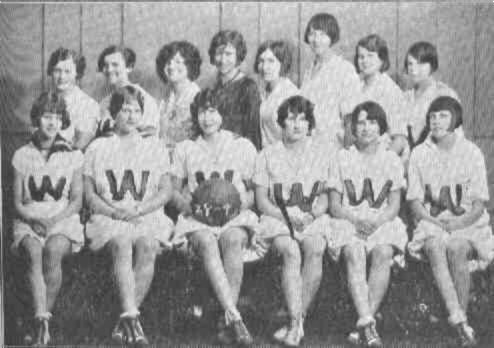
(297, 197)
(127, 185)
(445, 202)
(367, 193)
(38, 194)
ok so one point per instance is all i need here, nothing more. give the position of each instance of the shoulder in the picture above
(25, 152)
(99, 143)
(247, 83)
(421, 151)
(442, 89)
(471, 149)
(344, 65)
(83, 97)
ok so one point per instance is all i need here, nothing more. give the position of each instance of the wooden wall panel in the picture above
(484, 73)
(487, 147)
(101, 27)
(69, 37)
(456, 25)
(147, 29)
(244, 17)
(281, 21)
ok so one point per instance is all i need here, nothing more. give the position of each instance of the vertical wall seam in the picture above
(299, 39)
(81, 47)
(259, 4)
(475, 53)
(43, 23)
(122, 22)
(397, 38)
(220, 17)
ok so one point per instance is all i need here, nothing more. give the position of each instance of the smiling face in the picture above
(440, 123)
(269, 66)
(128, 118)
(209, 120)
(225, 59)
(367, 131)
(296, 127)
(368, 62)
(417, 71)
(319, 41)
(115, 70)
(50, 124)
(64, 75)
(176, 70)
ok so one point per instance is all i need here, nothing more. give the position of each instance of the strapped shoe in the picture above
(118, 334)
(42, 333)
(371, 337)
(295, 333)
(280, 334)
(137, 332)
(242, 335)
(466, 335)
(354, 338)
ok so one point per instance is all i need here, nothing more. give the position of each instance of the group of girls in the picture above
(333, 164)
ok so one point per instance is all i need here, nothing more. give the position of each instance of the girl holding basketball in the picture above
(47, 198)
(218, 167)
(291, 174)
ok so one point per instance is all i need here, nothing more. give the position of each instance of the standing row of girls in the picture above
(341, 200)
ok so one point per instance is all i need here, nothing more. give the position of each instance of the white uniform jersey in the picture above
(233, 160)
(150, 117)
(126, 173)
(84, 114)
(300, 180)
(447, 182)
(46, 181)
(365, 181)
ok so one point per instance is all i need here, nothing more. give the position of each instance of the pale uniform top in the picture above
(234, 153)
(175, 118)
(463, 165)
(150, 117)
(84, 113)
(379, 168)
(417, 107)
(276, 165)
(146, 161)
(384, 91)
(60, 167)
(334, 90)
(270, 129)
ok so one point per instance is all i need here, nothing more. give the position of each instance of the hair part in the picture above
(63, 53)
(423, 52)
(325, 22)
(190, 54)
(128, 55)
(225, 37)
(49, 102)
(374, 111)
(125, 95)
(373, 43)
(203, 100)
(446, 103)
(296, 105)
(281, 50)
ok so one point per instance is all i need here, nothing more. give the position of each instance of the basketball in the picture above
(215, 202)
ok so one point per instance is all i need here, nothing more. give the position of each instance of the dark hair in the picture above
(325, 22)
(124, 95)
(281, 50)
(374, 112)
(127, 53)
(373, 43)
(225, 37)
(190, 54)
(63, 53)
(449, 104)
(50, 102)
(296, 105)
(424, 52)
(205, 99)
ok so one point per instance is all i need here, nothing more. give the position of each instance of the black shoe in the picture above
(371, 337)
(225, 334)
(242, 335)
(118, 335)
(42, 334)
(466, 335)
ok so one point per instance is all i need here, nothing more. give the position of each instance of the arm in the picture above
(391, 210)
(160, 198)
(421, 213)
(467, 219)
(82, 139)
(75, 203)
(336, 208)
(265, 205)
(97, 205)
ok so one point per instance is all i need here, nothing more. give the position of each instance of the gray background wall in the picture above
(463, 33)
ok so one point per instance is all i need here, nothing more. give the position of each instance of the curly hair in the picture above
(296, 105)
(225, 37)
(373, 43)
(124, 95)
(63, 53)
(190, 54)
(127, 53)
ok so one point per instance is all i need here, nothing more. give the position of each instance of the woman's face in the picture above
(269, 66)
(296, 127)
(209, 120)
(50, 124)
(225, 59)
(64, 75)
(440, 122)
(176, 70)
(367, 131)
(417, 71)
(369, 63)
(115, 70)
(319, 41)
(128, 118)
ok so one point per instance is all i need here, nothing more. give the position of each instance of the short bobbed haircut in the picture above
(203, 100)
(374, 43)
(281, 50)
(122, 96)
(127, 53)
(423, 52)
(296, 105)
(325, 22)
(446, 103)
(63, 53)
(190, 54)
(374, 111)
(49, 102)
(225, 37)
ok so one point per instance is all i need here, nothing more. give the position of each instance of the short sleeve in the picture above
(415, 185)
(151, 112)
(89, 159)
(478, 182)
(334, 174)
(18, 161)
(351, 90)
(397, 172)
(77, 160)
(179, 166)
(247, 159)
(261, 176)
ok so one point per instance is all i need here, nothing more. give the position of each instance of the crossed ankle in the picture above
(130, 314)
(457, 317)
(43, 315)
(364, 321)
(232, 315)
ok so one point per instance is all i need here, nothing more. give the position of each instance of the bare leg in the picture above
(121, 250)
(232, 242)
(457, 252)
(313, 248)
(56, 248)
(291, 280)
(146, 249)
(436, 252)
(380, 271)
(31, 250)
